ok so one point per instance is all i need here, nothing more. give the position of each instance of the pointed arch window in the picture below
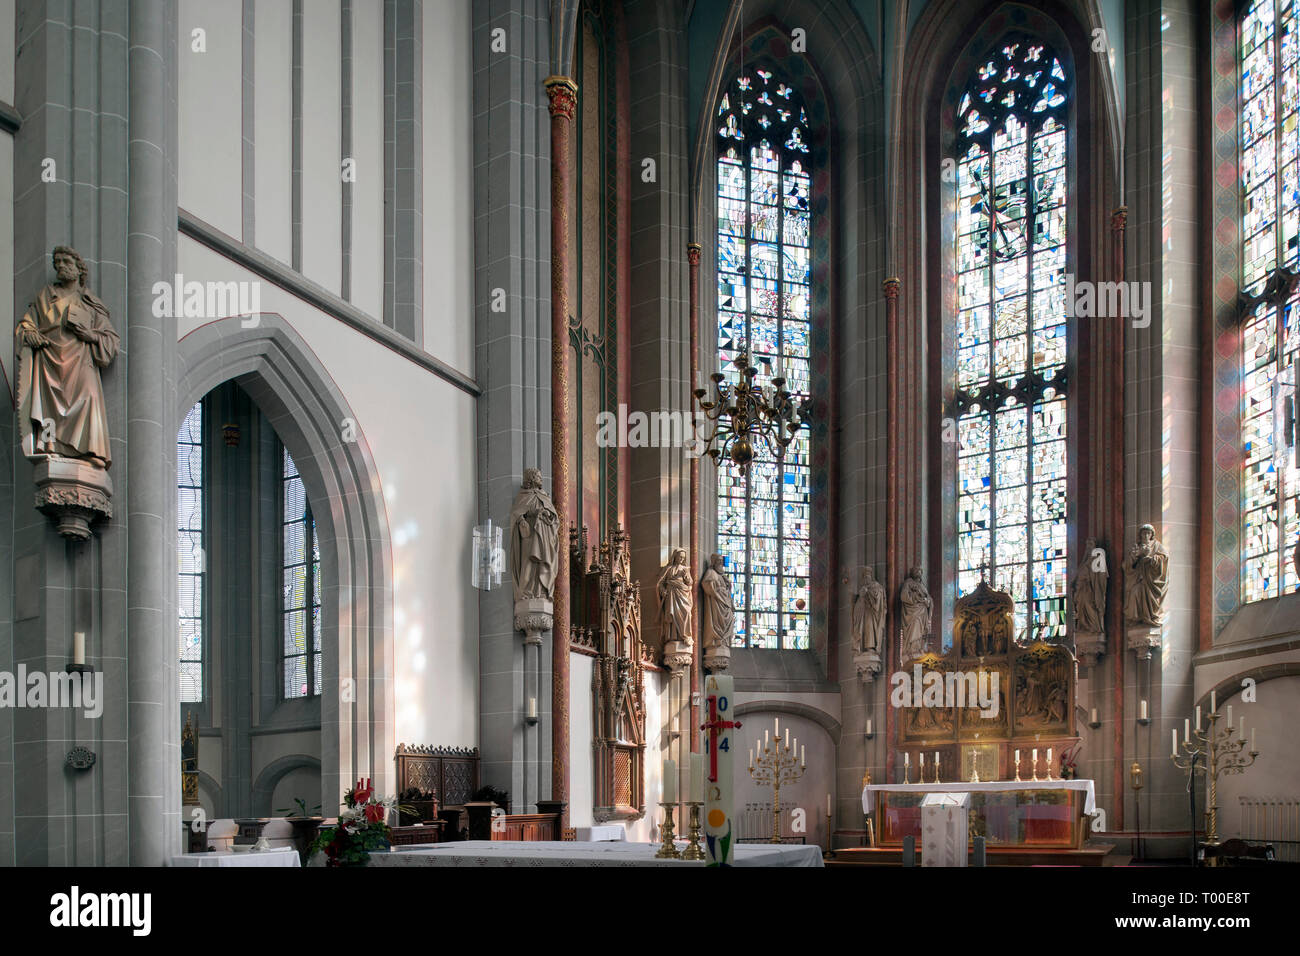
(1270, 328)
(190, 553)
(301, 607)
(765, 226)
(1010, 385)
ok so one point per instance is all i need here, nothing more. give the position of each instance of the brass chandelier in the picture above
(743, 414)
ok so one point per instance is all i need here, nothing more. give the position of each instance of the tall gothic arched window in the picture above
(190, 554)
(764, 243)
(1270, 213)
(300, 568)
(1010, 397)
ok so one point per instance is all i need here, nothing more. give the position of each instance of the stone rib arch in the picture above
(273, 773)
(275, 365)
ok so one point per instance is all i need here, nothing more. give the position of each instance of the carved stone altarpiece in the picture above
(607, 612)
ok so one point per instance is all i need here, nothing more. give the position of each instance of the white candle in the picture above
(1187, 734)
(1017, 762)
(1229, 716)
(670, 781)
(751, 758)
(1198, 719)
(1142, 711)
(907, 759)
(868, 726)
(787, 738)
(922, 755)
(765, 740)
(532, 706)
(1094, 715)
(1035, 757)
(936, 758)
(778, 726)
(1214, 706)
(1049, 758)
(803, 759)
(829, 808)
(1174, 750)
(697, 778)
(79, 647)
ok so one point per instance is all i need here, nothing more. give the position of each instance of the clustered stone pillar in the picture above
(563, 95)
(1115, 621)
(890, 287)
(693, 250)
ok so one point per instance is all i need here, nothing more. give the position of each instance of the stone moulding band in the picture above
(269, 269)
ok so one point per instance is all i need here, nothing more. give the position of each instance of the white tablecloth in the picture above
(1089, 798)
(286, 857)
(607, 831)
(517, 853)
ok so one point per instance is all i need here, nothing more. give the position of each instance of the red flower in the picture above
(375, 813)
(362, 791)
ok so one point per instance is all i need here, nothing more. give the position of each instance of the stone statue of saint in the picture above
(917, 608)
(868, 613)
(676, 602)
(534, 540)
(1147, 581)
(1088, 591)
(717, 612)
(63, 340)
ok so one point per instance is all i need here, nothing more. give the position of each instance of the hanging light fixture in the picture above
(489, 559)
(743, 413)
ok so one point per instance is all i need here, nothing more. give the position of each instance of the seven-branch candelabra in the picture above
(776, 763)
(1213, 752)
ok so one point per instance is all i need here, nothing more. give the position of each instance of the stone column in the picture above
(896, 563)
(693, 257)
(533, 616)
(563, 95)
(154, 782)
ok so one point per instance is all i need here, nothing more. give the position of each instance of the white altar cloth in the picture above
(613, 853)
(985, 786)
(281, 857)
(600, 832)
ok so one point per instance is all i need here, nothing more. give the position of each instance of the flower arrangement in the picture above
(362, 827)
(1069, 759)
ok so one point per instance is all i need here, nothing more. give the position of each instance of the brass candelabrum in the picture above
(742, 413)
(1213, 752)
(774, 765)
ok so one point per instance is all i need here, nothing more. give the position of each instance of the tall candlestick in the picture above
(670, 781)
(79, 647)
(697, 778)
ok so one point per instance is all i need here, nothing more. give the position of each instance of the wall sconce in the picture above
(489, 558)
(531, 718)
(79, 665)
(870, 733)
(1094, 723)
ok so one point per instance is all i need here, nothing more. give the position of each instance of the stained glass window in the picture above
(1270, 158)
(764, 269)
(189, 553)
(301, 606)
(1011, 333)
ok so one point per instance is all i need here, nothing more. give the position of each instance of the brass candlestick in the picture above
(694, 851)
(1033, 765)
(1018, 780)
(1213, 753)
(667, 850)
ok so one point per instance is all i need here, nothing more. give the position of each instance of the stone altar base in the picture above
(74, 493)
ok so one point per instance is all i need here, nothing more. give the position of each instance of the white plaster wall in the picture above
(581, 779)
(273, 129)
(209, 174)
(448, 184)
(646, 829)
(368, 151)
(322, 154)
(420, 431)
(7, 52)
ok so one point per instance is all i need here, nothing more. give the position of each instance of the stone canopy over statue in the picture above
(717, 615)
(63, 341)
(869, 607)
(534, 540)
(1146, 578)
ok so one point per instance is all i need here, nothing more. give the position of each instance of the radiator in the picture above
(1274, 820)
(756, 825)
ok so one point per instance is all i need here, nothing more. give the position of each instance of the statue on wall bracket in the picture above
(718, 614)
(534, 549)
(1146, 580)
(869, 607)
(1088, 600)
(62, 343)
(676, 606)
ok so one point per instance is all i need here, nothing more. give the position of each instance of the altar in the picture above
(1007, 813)
(478, 853)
